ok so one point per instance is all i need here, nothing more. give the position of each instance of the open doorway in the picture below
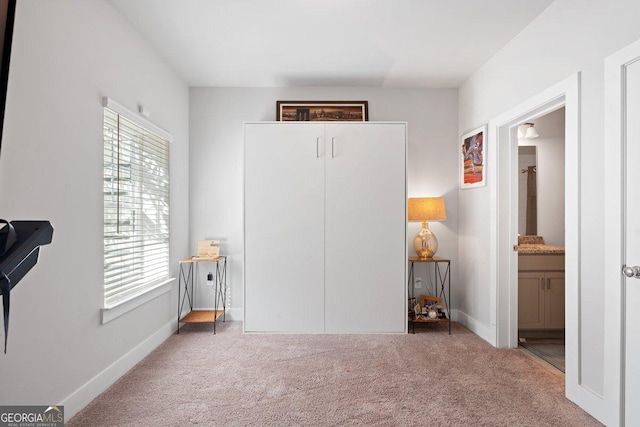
(541, 237)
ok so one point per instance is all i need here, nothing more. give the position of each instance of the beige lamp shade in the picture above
(427, 209)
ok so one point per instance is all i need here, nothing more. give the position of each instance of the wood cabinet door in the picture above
(554, 300)
(365, 256)
(531, 292)
(284, 227)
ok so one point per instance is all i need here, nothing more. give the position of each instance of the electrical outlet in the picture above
(418, 282)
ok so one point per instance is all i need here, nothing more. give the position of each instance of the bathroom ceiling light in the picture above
(531, 132)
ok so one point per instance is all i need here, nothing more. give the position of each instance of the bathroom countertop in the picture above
(530, 240)
(539, 249)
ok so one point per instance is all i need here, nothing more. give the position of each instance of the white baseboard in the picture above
(483, 331)
(80, 398)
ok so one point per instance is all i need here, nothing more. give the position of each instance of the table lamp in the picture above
(426, 209)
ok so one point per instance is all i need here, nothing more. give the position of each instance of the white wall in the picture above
(550, 176)
(568, 37)
(216, 118)
(66, 56)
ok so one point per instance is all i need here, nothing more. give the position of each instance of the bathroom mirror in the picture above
(527, 191)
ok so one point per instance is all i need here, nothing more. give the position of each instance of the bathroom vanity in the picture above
(541, 286)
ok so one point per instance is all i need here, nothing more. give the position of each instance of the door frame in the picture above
(503, 260)
(503, 214)
(614, 254)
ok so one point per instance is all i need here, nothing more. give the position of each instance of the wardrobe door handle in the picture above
(548, 283)
(333, 145)
(317, 147)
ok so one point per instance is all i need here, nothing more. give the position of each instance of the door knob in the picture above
(631, 271)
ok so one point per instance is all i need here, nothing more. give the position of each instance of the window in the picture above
(136, 207)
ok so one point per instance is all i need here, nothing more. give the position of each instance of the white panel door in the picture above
(631, 286)
(284, 227)
(365, 256)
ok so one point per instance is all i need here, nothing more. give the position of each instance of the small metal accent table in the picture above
(442, 278)
(187, 276)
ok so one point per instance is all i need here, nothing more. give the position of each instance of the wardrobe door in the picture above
(365, 238)
(284, 227)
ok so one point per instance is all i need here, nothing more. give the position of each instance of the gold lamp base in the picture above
(425, 243)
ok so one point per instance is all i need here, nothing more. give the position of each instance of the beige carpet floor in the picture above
(427, 379)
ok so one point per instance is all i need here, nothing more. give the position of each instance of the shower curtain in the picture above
(532, 202)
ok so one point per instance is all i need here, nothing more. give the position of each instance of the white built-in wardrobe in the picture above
(325, 227)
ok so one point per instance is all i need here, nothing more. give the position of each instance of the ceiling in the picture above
(283, 43)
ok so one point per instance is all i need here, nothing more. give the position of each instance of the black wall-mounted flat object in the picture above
(20, 258)
(7, 236)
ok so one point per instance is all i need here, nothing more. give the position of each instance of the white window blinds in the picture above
(136, 209)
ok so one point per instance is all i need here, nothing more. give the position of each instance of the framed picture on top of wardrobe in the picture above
(473, 158)
(322, 111)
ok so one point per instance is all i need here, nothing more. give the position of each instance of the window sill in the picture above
(108, 314)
